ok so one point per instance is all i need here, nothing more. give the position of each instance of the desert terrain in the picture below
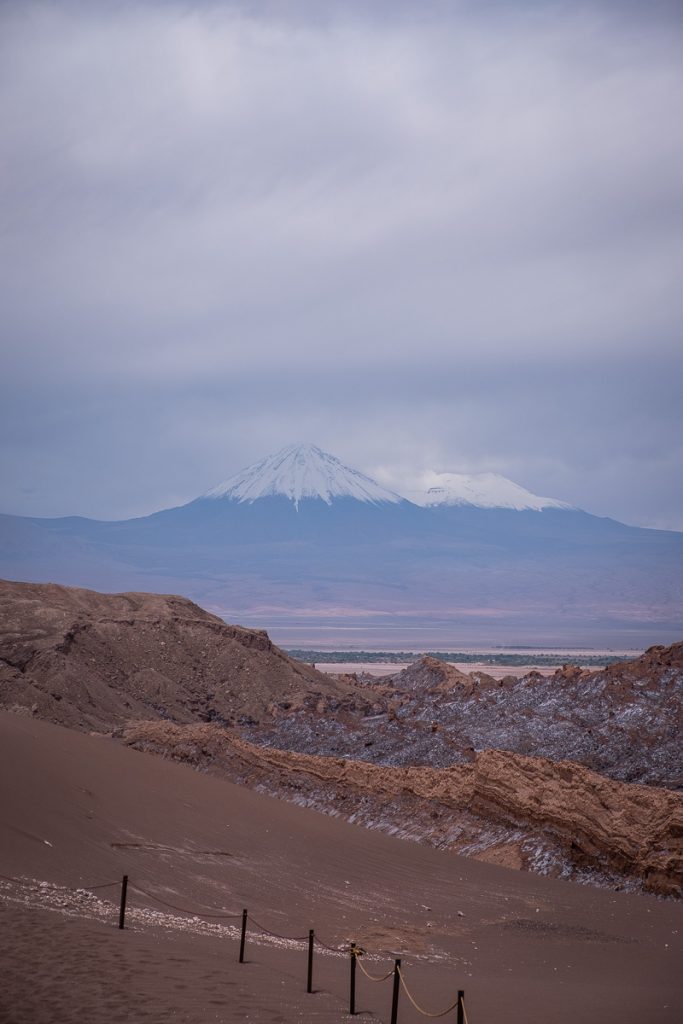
(144, 736)
(80, 811)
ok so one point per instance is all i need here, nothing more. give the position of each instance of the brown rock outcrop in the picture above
(92, 661)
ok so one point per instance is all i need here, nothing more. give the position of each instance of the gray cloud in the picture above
(450, 240)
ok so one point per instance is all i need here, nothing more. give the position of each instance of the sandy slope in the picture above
(526, 948)
(556, 818)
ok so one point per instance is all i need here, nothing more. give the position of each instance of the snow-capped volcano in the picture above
(304, 540)
(482, 490)
(302, 471)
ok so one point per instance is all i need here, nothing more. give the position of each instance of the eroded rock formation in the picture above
(624, 721)
(92, 661)
(518, 811)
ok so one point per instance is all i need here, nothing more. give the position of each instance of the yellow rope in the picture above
(419, 1009)
(371, 977)
(464, 1012)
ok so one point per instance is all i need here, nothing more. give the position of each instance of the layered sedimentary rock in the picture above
(518, 811)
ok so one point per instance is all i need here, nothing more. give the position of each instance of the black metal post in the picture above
(461, 1007)
(311, 939)
(122, 909)
(394, 997)
(243, 937)
(352, 994)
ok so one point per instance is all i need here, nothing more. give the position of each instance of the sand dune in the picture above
(78, 810)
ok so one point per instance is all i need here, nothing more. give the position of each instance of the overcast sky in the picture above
(419, 235)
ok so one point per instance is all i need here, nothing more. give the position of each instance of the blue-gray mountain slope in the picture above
(305, 561)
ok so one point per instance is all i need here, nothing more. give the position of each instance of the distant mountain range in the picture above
(302, 471)
(319, 553)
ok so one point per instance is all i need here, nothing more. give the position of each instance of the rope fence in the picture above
(426, 1013)
(181, 910)
(331, 949)
(372, 977)
(399, 982)
(276, 935)
(354, 951)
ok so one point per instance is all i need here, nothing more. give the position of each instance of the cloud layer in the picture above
(449, 240)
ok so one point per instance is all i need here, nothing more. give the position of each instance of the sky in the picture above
(420, 235)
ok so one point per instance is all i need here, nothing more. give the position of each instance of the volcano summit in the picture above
(302, 471)
(316, 550)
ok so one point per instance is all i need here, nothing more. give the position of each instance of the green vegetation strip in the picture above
(521, 658)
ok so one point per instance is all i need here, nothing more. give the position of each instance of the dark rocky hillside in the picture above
(624, 721)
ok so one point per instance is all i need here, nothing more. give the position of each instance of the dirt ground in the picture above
(78, 811)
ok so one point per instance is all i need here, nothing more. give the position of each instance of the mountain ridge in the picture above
(316, 553)
(304, 472)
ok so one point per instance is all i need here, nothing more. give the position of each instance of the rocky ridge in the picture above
(624, 721)
(93, 661)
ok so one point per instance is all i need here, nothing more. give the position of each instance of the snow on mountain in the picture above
(302, 471)
(482, 490)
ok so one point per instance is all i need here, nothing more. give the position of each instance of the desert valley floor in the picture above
(80, 810)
